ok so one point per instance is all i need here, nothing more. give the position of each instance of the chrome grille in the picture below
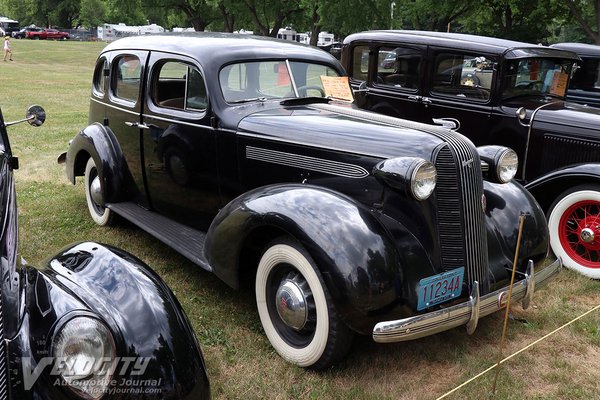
(458, 194)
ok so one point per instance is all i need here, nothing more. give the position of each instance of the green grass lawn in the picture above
(241, 364)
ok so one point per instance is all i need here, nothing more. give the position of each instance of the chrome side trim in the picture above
(308, 163)
(460, 314)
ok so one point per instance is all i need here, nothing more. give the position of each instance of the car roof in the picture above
(582, 49)
(462, 41)
(222, 48)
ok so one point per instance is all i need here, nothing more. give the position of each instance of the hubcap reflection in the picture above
(291, 302)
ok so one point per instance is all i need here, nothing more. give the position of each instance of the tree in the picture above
(433, 15)
(523, 20)
(92, 13)
(268, 16)
(587, 15)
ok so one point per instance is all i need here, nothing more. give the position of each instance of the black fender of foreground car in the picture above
(157, 355)
(99, 142)
(357, 257)
(548, 187)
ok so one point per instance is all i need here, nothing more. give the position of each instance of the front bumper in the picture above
(467, 313)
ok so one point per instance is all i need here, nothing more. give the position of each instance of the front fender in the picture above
(141, 312)
(98, 141)
(548, 187)
(505, 202)
(357, 258)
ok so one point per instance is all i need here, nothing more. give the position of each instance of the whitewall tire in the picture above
(574, 224)
(295, 308)
(93, 192)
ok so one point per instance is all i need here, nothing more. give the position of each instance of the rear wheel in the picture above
(95, 196)
(295, 308)
(574, 223)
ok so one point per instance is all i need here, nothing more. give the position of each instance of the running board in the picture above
(185, 240)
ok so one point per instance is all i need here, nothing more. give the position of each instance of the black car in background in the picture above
(584, 87)
(226, 148)
(498, 92)
(92, 322)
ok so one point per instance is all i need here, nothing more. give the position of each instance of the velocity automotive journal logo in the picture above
(104, 374)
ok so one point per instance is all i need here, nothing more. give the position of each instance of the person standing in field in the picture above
(7, 50)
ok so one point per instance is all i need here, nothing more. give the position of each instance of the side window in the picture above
(463, 75)
(398, 67)
(588, 76)
(179, 86)
(360, 63)
(98, 87)
(126, 77)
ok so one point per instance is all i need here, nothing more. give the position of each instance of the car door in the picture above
(123, 110)
(389, 78)
(179, 149)
(460, 86)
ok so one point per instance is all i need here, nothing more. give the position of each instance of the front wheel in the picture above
(574, 224)
(295, 308)
(95, 197)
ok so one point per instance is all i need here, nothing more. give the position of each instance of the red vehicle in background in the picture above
(48, 34)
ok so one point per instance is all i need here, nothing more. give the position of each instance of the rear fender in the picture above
(98, 141)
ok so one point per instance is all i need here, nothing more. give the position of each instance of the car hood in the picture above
(554, 114)
(344, 128)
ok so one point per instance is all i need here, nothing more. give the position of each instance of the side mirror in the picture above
(35, 115)
(522, 116)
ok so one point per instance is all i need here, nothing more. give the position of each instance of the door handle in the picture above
(137, 124)
(425, 100)
(415, 98)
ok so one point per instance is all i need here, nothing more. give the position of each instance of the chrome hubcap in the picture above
(587, 235)
(96, 191)
(291, 303)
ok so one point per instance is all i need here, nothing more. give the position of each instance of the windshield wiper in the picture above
(261, 99)
(305, 100)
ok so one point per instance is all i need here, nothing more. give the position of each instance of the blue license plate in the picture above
(440, 288)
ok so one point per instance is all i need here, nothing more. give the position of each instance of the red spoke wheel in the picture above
(574, 223)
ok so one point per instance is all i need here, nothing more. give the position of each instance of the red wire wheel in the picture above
(574, 226)
(579, 230)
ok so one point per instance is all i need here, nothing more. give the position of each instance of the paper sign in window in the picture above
(283, 77)
(559, 84)
(337, 87)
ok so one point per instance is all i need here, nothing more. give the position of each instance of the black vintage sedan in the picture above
(92, 322)
(584, 87)
(226, 148)
(500, 92)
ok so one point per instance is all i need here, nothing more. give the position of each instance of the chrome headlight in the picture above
(507, 166)
(503, 162)
(423, 180)
(411, 174)
(85, 348)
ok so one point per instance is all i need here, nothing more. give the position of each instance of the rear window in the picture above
(126, 77)
(463, 75)
(179, 86)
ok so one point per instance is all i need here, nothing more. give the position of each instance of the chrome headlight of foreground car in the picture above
(85, 349)
(503, 162)
(413, 174)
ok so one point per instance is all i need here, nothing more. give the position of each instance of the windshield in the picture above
(277, 79)
(536, 76)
